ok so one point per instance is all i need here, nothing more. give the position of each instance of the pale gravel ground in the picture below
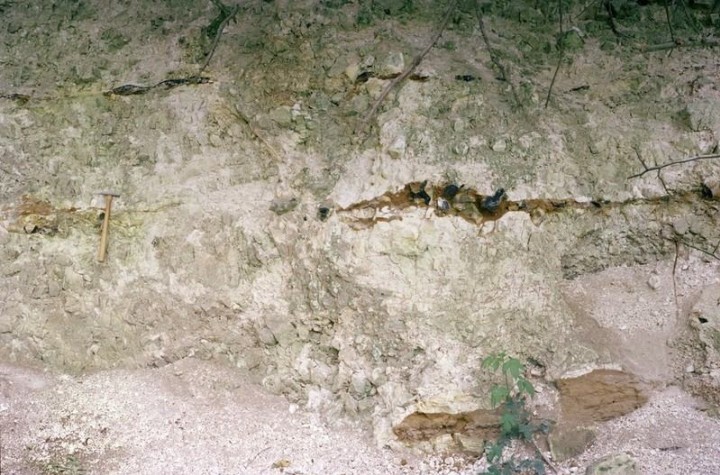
(196, 417)
(670, 435)
(189, 417)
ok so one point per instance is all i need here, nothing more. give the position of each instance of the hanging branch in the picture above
(552, 83)
(227, 14)
(674, 276)
(692, 246)
(692, 21)
(611, 19)
(504, 75)
(669, 21)
(678, 162)
(239, 114)
(560, 59)
(416, 61)
(642, 162)
(585, 8)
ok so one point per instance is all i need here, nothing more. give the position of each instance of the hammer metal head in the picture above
(108, 193)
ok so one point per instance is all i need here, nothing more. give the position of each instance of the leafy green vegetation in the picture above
(515, 419)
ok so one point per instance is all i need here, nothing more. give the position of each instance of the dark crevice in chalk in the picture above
(449, 199)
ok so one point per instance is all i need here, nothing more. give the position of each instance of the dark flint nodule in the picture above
(323, 213)
(706, 192)
(421, 193)
(451, 191)
(492, 203)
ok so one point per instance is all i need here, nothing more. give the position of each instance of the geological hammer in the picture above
(102, 250)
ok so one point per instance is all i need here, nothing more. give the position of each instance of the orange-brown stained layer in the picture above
(468, 204)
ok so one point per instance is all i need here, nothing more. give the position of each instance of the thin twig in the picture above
(639, 157)
(544, 457)
(662, 182)
(552, 83)
(691, 19)
(678, 162)
(674, 269)
(504, 75)
(249, 462)
(416, 61)
(585, 8)
(229, 16)
(692, 246)
(258, 135)
(491, 51)
(716, 248)
(611, 18)
(669, 22)
(562, 54)
(561, 16)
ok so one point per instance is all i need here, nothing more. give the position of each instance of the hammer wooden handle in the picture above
(106, 224)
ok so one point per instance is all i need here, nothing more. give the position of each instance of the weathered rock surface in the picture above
(382, 307)
(702, 346)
